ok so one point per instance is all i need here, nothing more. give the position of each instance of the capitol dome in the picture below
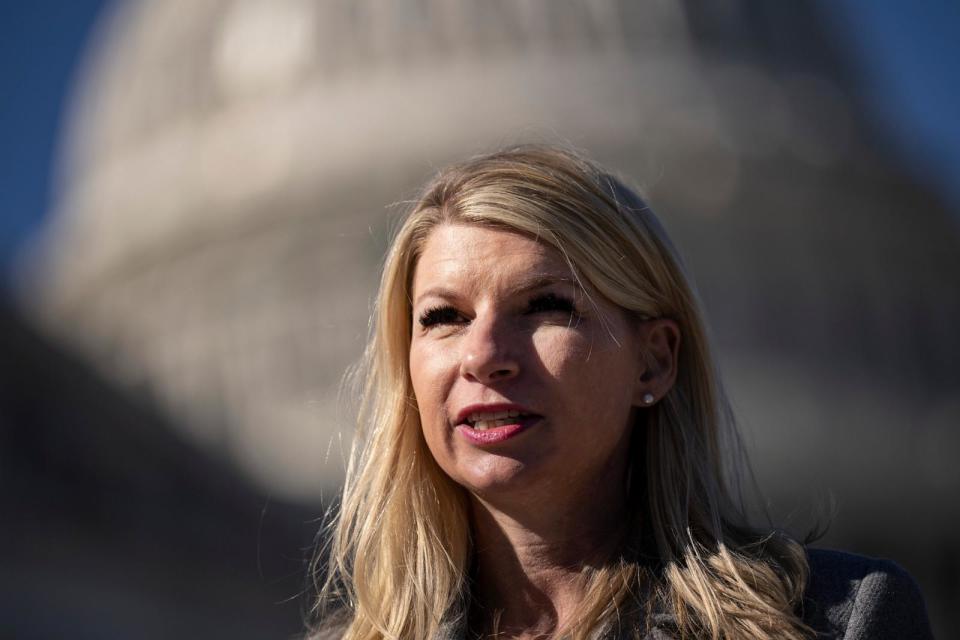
(232, 169)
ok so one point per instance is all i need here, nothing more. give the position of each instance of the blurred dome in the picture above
(228, 164)
(194, 113)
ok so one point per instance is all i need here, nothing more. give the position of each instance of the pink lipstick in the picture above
(485, 424)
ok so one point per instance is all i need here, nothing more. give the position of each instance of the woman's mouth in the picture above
(494, 424)
(481, 421)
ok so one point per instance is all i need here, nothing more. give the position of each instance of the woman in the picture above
(544, 448)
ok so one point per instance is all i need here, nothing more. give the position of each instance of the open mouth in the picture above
(481, 421)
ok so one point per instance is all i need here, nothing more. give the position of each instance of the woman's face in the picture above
(522, 382)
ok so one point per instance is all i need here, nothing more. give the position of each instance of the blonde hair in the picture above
(398, 555)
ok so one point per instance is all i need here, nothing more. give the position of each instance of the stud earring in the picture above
(648, 398)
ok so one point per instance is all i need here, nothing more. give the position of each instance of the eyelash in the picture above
(438, 315)
(446, 314)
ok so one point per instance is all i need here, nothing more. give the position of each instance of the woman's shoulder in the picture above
(852, 596)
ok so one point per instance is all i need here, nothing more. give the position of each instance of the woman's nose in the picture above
(488, 352)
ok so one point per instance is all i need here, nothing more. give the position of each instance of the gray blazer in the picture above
(848, 597)
(852, 597)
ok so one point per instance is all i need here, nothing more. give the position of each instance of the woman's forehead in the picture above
(479, 257)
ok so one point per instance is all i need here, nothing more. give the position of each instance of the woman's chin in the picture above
(498, 476)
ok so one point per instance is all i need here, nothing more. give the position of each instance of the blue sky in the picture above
(40, 43)
(908, 53)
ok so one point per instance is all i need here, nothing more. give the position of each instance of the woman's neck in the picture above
(531, 563)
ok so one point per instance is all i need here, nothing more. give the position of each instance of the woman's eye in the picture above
(551, 302)
(440, 315)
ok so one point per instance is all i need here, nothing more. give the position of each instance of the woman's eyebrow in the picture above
(526, 285)
(541, 281)
(437, 292)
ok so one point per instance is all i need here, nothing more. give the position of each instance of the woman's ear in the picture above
(658, 341)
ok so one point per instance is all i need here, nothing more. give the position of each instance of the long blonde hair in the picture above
(398, 554)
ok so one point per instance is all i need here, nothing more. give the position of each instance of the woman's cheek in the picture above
(561, 349)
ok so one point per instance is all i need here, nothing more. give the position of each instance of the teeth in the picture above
(483, 425)
(489, 416)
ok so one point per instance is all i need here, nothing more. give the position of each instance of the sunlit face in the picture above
(522, 382)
